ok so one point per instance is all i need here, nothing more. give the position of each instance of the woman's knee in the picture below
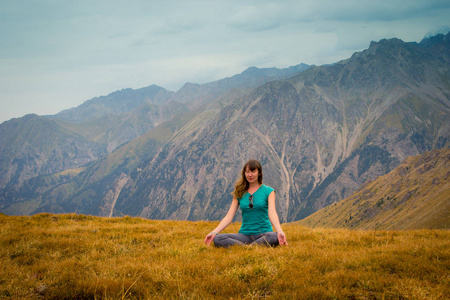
(218, 240)
(270, 239)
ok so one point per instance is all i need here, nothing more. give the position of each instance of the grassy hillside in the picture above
(415, 195)
(81, 257)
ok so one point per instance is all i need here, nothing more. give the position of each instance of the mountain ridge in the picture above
(114, 103)
(104, 123)
(370, 161)
(319, 135)
(36, 145)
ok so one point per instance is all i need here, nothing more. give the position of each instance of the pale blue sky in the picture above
(55, 54)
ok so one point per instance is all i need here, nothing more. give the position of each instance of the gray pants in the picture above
(229, 239)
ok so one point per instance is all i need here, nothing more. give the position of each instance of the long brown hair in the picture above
(242, 184)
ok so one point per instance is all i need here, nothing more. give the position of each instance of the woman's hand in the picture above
(209, 238)
(282, 238)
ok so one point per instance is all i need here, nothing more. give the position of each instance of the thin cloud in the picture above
(257, 17)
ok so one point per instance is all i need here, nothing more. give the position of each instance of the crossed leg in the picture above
(229, 239)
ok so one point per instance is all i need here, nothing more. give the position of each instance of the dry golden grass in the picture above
(82, 257)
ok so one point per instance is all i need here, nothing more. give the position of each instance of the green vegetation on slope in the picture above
(82, 257)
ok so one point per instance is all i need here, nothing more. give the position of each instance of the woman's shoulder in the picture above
(267, 189)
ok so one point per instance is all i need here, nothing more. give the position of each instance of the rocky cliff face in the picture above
(389, 102)
(319, 135)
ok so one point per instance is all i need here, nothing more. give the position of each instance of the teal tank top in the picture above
(256, 220)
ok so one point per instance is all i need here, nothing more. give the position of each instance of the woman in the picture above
(257, 202)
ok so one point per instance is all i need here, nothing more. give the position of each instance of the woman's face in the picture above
(251, 176)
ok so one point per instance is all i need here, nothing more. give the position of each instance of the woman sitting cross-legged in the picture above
(257, 202)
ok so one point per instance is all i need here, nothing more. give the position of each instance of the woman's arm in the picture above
(273, 217)
(224, 223)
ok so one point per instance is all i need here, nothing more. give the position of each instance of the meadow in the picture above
(73, 256)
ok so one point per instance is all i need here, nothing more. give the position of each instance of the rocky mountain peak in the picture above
(436, 39)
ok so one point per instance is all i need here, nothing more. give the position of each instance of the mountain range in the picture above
(30, 146)
(320, 132)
